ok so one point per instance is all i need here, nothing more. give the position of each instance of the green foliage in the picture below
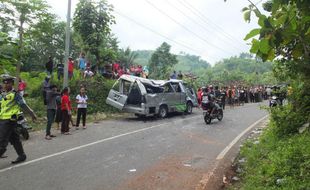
(92, 21)
(243, 69)
(97, 91)
(162, 62)
(7, 54)
(45, 38)
(190, 63)
(127, 57)
(284, 34)
(286, 120)
(278, 163)
(143, 56)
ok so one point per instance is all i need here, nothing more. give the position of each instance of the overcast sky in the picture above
(211, 29)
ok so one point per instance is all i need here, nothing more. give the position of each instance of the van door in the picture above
(119, 93)
(191, 94)
(180, 97)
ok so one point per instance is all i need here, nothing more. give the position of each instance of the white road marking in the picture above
(224, 152)
(90, 144)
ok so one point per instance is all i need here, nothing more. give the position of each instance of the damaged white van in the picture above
(145, 97)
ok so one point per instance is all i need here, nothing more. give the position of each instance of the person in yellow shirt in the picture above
(12, 103)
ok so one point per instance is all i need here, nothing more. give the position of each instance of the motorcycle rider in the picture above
(212, 98)
(11, 105)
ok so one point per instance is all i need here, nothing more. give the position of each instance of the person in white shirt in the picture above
(81, 100)
(88, 73)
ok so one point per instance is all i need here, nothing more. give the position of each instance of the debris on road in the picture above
(132, 170)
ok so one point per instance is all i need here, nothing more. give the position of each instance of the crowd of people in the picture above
(87, 70)
(59, 108)
(115, 70)
(236, 95)
(83, 65)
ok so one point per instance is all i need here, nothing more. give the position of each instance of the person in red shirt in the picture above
(66, 111)
(70, 68)
(21, 87)
(199, 96)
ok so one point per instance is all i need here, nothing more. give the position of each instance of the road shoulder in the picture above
(224, 170)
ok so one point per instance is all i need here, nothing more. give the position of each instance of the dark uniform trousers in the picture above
(8, 134)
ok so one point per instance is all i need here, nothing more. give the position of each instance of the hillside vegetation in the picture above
(241, 69)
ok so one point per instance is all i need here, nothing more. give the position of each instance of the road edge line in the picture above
(89, 144)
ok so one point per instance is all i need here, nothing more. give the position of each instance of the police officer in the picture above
(11, 105)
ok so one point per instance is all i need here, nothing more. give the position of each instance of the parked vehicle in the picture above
(207, 108)
(146, 97)
(274, 101)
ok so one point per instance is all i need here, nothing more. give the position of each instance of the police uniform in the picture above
(11, 103)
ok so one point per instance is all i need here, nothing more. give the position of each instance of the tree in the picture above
(284, 35)
(127, 57)
(8, 49)
(45, 38)
(21, 13)
(162, 61)
(92, 21)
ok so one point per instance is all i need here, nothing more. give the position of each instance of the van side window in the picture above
(116, 86)
(168, 88)
(176, 87)
(126, 87)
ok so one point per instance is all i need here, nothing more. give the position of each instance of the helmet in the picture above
(7, 78)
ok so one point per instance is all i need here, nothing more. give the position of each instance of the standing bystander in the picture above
(45, 87)
(60, 70)
(81, 100)
(82, 63)
(49, 66)
(51, 110)
(70, 67)
(66, 111)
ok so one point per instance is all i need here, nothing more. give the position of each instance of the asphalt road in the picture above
(128, 153)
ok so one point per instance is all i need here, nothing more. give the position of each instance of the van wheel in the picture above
(189, 108)
(163, 112)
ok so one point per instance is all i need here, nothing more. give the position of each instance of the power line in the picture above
(193, 20)
(187, 29)
(163, 36)
(206, 20)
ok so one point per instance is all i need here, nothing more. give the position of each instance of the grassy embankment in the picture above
(281, 159)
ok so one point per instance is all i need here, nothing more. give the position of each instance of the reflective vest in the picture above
(9, 106)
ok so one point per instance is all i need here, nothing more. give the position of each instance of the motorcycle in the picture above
(22, 127)
(207, 108)
(274, 101)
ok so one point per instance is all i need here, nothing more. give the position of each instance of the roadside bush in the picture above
(97, 91)
(286, 120)
(276, 163)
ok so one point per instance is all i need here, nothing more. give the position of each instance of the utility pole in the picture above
(65, 84)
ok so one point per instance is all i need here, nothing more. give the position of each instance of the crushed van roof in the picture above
(143, 80)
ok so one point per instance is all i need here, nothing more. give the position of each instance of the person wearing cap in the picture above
(12, 104)
(51, 95)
